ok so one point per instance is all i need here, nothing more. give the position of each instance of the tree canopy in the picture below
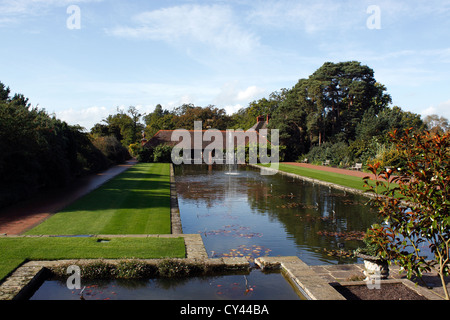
(38, 150)
(329, 105)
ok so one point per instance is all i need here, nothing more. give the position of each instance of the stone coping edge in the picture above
(175, 218)
(308, 281)
(325, 183)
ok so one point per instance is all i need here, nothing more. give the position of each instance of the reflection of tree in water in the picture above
(198, 183)
(313, 215)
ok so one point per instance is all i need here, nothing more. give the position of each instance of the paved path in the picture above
(20, 217)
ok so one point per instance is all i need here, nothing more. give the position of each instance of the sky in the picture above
(83, 59)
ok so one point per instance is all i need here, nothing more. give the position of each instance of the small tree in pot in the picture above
(413, 202)
(376, 264)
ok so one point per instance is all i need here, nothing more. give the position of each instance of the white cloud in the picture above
(86, 117)
(250, 93)
(441, 109)
(230, 109)
(232, 96)
(215, 26)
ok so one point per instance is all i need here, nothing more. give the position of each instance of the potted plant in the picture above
(375, 266)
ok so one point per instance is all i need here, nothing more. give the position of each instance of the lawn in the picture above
(135, 202)
(14, 251)
(336, 178)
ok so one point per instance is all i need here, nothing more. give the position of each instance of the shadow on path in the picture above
(24, 215)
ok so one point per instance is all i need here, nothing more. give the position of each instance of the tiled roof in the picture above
(165, 137)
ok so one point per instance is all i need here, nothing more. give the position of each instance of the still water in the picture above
(256, 285)
(240, 212)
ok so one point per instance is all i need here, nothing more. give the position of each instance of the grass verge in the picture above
(332, 177)
(336, 178)
(135, 202)
(16, 250)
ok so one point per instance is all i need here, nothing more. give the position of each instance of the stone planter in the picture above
(375, 267)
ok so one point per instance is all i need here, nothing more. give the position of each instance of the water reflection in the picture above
(256, 285)
(251, 214)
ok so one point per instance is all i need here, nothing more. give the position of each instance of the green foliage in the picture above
(136, 269)
(162, 154)
(337, 153)
(145, 155)
(210, 116)
(159, 119)
(371, 246)
(125, 127)
(112, 149)
(38, 150)
(159, 154)
(386, 155)
(423, 217)
(133, 149)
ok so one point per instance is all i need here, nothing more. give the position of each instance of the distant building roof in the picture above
(165, 137)
(251, 136)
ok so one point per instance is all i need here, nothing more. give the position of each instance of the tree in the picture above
(4, 92)
(159, 119)
(245, 118)
(416, 210)
(437, 124)
(329, 105)
(38, 150)
(125, 127)
(136, 127)
(210, 116)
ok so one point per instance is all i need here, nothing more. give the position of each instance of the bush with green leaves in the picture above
(337, 153)
(413, 203)
(112, 149)
(159, 154)
(38, 150)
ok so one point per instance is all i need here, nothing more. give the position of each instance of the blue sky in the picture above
(225, 53)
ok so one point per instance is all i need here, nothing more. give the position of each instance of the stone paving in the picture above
(353, 273)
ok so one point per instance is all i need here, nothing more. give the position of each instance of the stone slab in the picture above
(310, 283)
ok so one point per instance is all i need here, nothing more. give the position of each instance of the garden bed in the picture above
(386, 291)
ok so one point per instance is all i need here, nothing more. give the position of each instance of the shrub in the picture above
(337, 153)
(416, 209)
(386, 156)
(145, 154)
(112, 149)
(161, 153)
